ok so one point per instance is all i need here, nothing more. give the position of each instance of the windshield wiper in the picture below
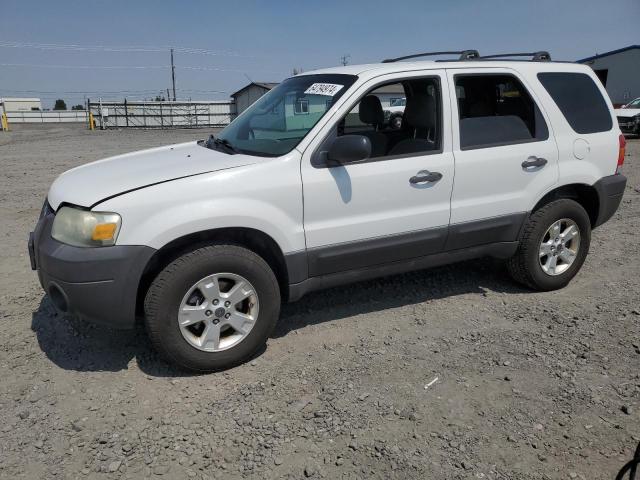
(221, 142)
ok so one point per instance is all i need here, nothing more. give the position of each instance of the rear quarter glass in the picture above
(579, 99)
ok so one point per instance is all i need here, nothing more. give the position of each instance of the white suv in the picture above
(307, 189)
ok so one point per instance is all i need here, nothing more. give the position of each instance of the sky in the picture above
(113, 49)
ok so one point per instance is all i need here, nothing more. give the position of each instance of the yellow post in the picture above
(5, 123)
(91, 126)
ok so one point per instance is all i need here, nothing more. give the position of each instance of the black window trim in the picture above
(497, 144)
(318, 157)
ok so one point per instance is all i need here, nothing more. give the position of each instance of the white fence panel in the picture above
(61, 116)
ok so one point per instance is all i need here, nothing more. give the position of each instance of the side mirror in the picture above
(349, 149)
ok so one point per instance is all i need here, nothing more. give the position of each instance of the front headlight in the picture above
(82, 228)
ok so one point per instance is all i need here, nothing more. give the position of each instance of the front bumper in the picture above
(97, 284)
(610, 191)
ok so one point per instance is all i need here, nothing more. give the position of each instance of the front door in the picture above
(394, 205)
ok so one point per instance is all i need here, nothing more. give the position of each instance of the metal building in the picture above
(619, 72)
(244, 97)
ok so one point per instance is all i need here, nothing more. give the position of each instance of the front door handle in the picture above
(534, 162)
(425, 176)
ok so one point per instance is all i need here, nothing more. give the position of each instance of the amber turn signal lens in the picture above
(104, 231)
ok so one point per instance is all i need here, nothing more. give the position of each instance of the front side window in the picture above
(280, 119)
(579, 100)
(496, 110)
(419, 130)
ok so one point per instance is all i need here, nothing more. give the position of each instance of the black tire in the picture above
(166, 292)
(525, 266)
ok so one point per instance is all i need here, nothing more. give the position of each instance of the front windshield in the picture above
(633, 104)
(280, 119)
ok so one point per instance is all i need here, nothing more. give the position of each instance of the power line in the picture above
(121, 48)
(71, 92)
(216, 69)
(136, 67)
(36, 65)
(105, 92)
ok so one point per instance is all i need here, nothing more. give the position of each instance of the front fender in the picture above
(266, 197)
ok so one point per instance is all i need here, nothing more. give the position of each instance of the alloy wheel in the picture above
(218, 312)
(559, 247)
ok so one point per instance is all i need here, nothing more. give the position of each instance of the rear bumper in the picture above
(610, 191)
(96, 284)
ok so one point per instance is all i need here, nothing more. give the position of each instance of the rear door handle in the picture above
(534, 161)
(425, 176)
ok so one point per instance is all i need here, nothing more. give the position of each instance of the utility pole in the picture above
(345, 59)
(168, 96)
(173, 76)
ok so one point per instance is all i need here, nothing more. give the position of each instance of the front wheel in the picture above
(212, 308)
(554, 244)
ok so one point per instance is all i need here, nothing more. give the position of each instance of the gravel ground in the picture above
(529, 385)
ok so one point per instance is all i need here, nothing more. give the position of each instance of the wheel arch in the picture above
(586, 195)
(255, 240)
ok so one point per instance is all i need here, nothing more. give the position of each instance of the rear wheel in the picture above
(212, 308)
(553, 247)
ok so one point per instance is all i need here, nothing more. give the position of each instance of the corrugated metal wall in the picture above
(622, 74)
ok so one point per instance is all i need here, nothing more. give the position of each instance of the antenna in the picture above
(344, 59)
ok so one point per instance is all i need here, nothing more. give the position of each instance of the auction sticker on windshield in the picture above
(329, 89)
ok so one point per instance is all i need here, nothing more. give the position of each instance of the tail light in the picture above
(623, 144)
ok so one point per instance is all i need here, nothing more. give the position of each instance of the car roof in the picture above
(377, 69)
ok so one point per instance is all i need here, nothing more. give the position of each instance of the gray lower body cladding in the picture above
(610, 191)
(97, 284)
(361, 260)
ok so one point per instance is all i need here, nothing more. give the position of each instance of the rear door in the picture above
(505, 153)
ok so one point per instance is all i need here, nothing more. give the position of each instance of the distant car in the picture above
(629, 117)
(393, 114)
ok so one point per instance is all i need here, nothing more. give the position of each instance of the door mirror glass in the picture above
(349, 149)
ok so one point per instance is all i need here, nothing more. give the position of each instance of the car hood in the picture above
(627, 112)
(94, 182)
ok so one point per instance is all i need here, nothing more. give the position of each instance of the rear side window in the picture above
(579, 100)
(496, 110)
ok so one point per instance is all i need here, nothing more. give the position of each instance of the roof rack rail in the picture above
(464, 55)
(540, 56)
